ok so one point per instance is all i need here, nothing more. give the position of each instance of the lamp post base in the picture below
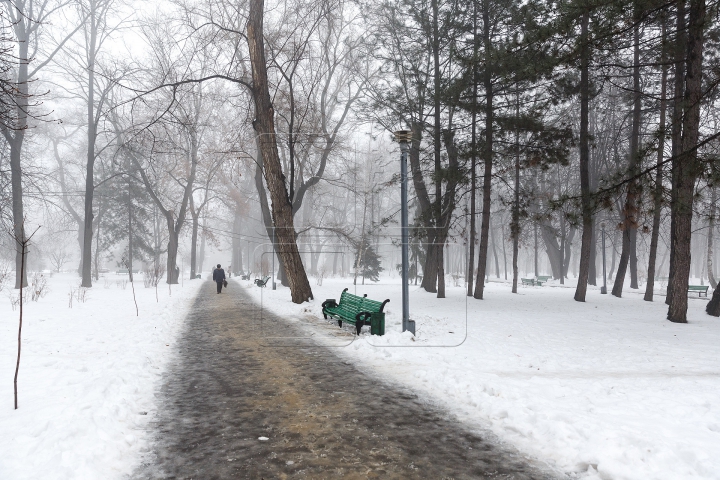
(603, 290)
(409, 326)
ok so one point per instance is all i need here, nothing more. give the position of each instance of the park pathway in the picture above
(239, 376)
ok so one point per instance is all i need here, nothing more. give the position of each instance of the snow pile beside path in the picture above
(605, 389)
(88, 377)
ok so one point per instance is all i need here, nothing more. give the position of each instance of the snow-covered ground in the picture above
(605, 389)
(88, 376)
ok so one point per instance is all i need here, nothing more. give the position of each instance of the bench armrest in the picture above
(330, 302)
(362, 317)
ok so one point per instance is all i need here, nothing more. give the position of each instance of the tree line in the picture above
(543, 123)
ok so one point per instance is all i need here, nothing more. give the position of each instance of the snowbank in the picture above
(605, 389)
(88, 377)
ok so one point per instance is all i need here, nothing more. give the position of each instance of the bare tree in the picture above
(27, 18)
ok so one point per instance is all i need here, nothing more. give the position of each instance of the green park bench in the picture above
(245, 277)
(352, 309)
(528, 281)
(700, 289)
(543, 278)
(262, 282)
(124, 271)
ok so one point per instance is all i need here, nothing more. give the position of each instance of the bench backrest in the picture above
(698, 287)
(372, 306)
(350, 302)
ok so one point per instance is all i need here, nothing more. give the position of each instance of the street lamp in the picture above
(404, 137)
(603, 290)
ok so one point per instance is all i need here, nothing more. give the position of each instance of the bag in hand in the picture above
(225, 283)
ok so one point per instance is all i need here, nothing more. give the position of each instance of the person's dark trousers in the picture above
(219, 284)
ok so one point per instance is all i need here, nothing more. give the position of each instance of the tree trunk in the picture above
(265, 127)
(562, 250)
(494, 250)
(688, 168)
(592, 272)
(201, 252)
(473, 157)
(487, 155)
(515, 222)
(711, 233)
(504, 250)
(681, 39)
(98, 224)
(629, 214)
(193, 244)
(16, 140)
(434, 274)
(657, 194)
(237, 262)
(91, 139)
(171, 263)
(553, 250)
(581, 288)
(537, 271)
(130, 239)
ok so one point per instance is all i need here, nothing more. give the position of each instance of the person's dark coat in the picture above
(218, 275)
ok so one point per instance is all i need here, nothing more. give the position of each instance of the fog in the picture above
(170, 137)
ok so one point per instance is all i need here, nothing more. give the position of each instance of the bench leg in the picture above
(358, 326)
(340, 323)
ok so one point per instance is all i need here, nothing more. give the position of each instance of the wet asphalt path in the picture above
(235, 380)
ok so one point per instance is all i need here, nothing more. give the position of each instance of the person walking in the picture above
(219, 277)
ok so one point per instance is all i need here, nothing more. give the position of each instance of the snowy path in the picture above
(239, 377)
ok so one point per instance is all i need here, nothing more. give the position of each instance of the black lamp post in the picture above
(603, 290)
(404, 137)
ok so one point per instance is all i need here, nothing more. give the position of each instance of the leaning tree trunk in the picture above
(265, 127)
(688, 168)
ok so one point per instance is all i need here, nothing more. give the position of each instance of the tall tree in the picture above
(26, 17)
(265, 127)
(630, 210)
(587, 207)
(689, 168)
(658, 191)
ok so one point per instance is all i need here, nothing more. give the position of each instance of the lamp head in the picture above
(403, 136)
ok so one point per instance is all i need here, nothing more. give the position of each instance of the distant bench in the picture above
(535, 281)
(700, 289)
(124, 271)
